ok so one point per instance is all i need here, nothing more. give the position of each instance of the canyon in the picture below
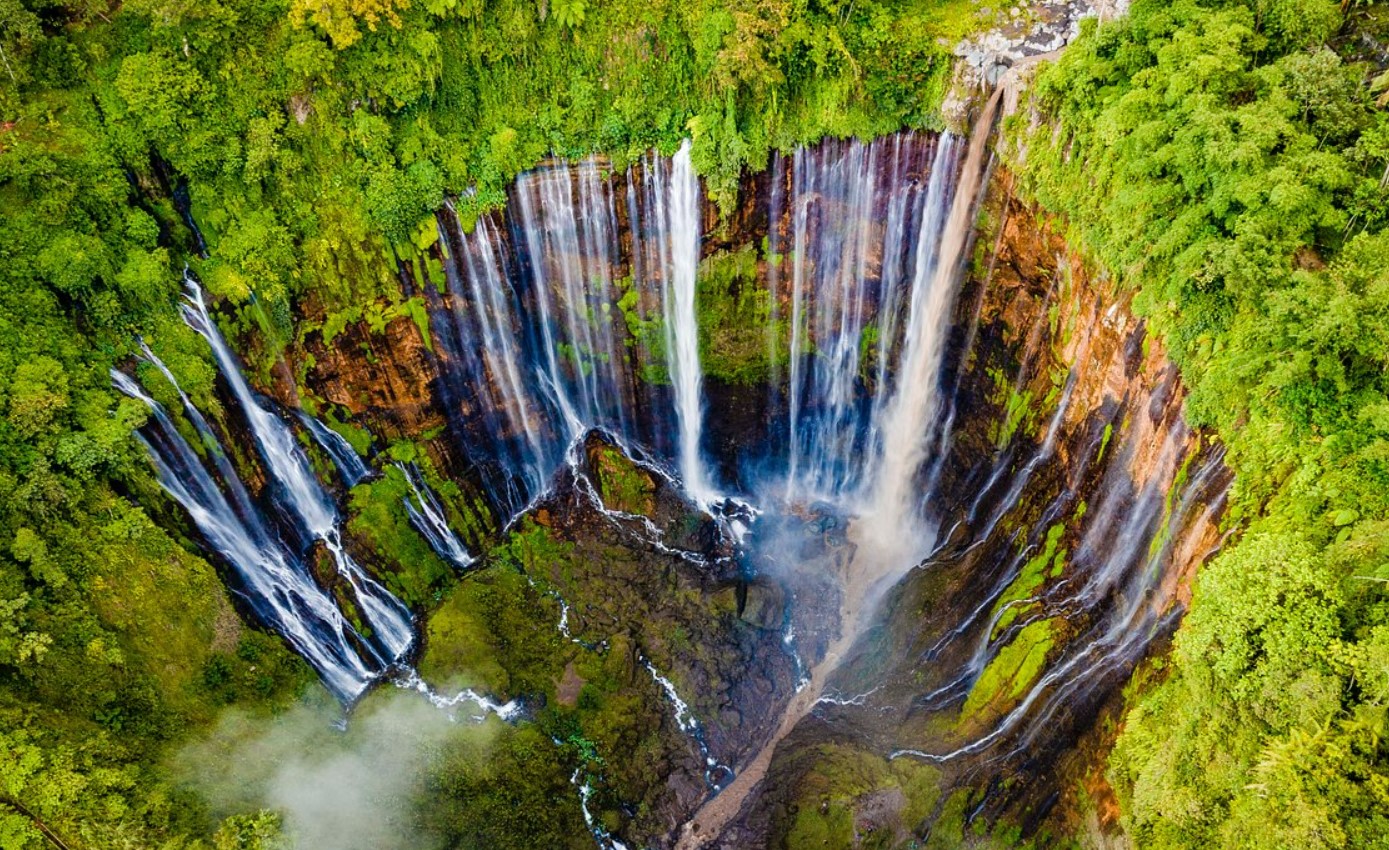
(915, 484)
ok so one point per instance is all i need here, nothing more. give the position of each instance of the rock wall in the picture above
(1066, 421)
(1068, 427)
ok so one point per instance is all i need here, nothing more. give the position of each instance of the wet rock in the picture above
(384, 381)
(765, 605)
(647, 576)
(639, 494)
(880, 812)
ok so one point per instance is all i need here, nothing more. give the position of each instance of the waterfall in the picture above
(273, 579)
(556, 315)
(546, 328)
(345, 458)
(888, 532)
(427, 516)
(679, 219)
(854, 209)
(478, 337)
(892, 517)
(274, 575)
(775, 260)
(298, 491)
(534, 330)
(579, 307)
(1113, 586)
(566, 218)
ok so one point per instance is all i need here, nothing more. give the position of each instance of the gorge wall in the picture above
(1059, 506)
(1076, 506)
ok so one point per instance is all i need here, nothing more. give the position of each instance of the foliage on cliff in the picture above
(313, 136)
(1228, 162)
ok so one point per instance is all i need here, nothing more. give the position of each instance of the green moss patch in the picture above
(379, 520)
(496, 632)
(1013, 670)
(735, 311)
(1050, 561)
(1016, 407)
(851, 798)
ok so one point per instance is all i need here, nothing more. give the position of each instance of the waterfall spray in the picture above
(888, 536)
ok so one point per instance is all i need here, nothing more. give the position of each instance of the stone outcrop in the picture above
(643, 562)
(1023, 34)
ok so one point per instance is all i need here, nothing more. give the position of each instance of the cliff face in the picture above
(1071, 501)
(1120, 440)
(1074, 507)
(382, 380)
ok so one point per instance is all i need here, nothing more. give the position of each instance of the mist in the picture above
(353, 789)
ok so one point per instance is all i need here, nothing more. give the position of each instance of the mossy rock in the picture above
(629, 487)
(458, 645)
(849, 798)
(496, 632)
(622, 484)
(379, 521)
(1013, 670)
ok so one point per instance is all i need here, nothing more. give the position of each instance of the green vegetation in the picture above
(645, 333)
(1016, 407)
(315, 138)
(735, 310)
(376, 315)
(496, 633)
(1227, 161)
(114, 641)
(503, 787)
(1021, 412)
(838, 780)
(952, 829)
(1012, 671)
